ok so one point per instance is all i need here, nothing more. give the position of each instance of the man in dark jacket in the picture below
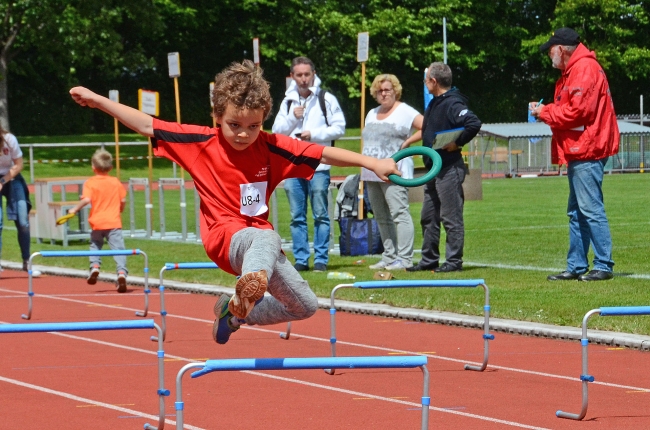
(443, 195)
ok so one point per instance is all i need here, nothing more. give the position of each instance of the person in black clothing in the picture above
(443, 195)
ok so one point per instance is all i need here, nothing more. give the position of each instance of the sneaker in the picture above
(222, 327)
(35, 273)
(249, 289)
(92, 276)
(380, 265)
(301, 267)
(397, 265)
(121, 282)
(320, 267)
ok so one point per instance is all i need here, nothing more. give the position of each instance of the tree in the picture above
(103, 38)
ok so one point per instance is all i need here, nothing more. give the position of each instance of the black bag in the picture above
(359, 236)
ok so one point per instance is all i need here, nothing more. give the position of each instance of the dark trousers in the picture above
(443, 204)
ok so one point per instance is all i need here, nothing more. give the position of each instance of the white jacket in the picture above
(313, 121)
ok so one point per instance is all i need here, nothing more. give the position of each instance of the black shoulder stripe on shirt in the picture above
(295, 159)
(169, 136)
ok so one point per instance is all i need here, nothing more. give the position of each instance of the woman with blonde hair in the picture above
(386, 128)
(14, 188)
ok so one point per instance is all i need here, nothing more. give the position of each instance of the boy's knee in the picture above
(309, 306)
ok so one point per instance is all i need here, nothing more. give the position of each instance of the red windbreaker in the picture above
(582, 118)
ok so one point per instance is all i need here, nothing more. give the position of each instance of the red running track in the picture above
(109, 379)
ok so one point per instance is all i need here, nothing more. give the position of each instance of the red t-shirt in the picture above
(106, 194)
(234, 186)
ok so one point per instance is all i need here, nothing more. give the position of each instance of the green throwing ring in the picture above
(417, 150)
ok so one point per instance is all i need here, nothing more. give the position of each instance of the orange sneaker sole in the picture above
(250, 288)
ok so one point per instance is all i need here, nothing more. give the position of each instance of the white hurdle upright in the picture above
(161, 286)
(586, 377)
(140, 182)
(261, 364)
(105, 325)
(468, 283)
(111, 252)
(176, 182)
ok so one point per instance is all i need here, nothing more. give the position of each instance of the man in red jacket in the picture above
(585, 135)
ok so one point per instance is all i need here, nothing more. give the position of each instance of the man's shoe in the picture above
(121, 282)
(320, 267)
(249, 289)
(380, 265)
(222, 327)
(564, 276)
(596, 275)
(418, 268)
(446, 267)
(92, 276)
(301, 267)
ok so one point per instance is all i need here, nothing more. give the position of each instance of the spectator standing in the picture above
(309, 113)
(585, 135)
(386, 128)
(14, 188)
(443, 195)
(107, 198)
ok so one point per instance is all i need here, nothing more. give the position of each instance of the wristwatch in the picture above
(2, 180)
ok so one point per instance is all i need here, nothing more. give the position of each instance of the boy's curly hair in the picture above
(243, 85)
(102, 160)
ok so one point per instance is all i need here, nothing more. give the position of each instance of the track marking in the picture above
(90, 402)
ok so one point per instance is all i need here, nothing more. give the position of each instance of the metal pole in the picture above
(444, 39)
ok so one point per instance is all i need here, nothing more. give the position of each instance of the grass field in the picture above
(515, 237)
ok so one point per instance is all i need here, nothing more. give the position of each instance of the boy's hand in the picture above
(83, 96)
(385, 167)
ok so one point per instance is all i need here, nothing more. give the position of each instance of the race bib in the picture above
(253, 199)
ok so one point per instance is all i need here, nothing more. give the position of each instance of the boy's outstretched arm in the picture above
(134, 119)
(344, 158)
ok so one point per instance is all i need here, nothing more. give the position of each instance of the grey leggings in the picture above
(253, 249)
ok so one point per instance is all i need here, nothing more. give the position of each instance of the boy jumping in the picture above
(235, 168)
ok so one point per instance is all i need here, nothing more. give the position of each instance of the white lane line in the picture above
(69, 396)
(291, 380)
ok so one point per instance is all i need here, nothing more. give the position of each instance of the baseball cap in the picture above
(562, 36)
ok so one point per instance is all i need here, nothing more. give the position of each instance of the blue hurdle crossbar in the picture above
(585, 377)
(105, 325)
(466, 283)
(30, 291)
(260, 364)
(161, 286)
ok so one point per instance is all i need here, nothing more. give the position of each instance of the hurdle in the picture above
(585, 377)
(177, 182)
(469, 283)
(30, 291)
(176, 266)
(260, 364)
(143, 182)
(105, 325)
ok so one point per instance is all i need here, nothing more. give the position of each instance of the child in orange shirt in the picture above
(107, 198)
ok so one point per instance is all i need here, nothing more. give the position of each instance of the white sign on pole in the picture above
(363, 41)
(256, 50)
(211, 90)
(174, 63)
(114, 96)
(148, 102)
